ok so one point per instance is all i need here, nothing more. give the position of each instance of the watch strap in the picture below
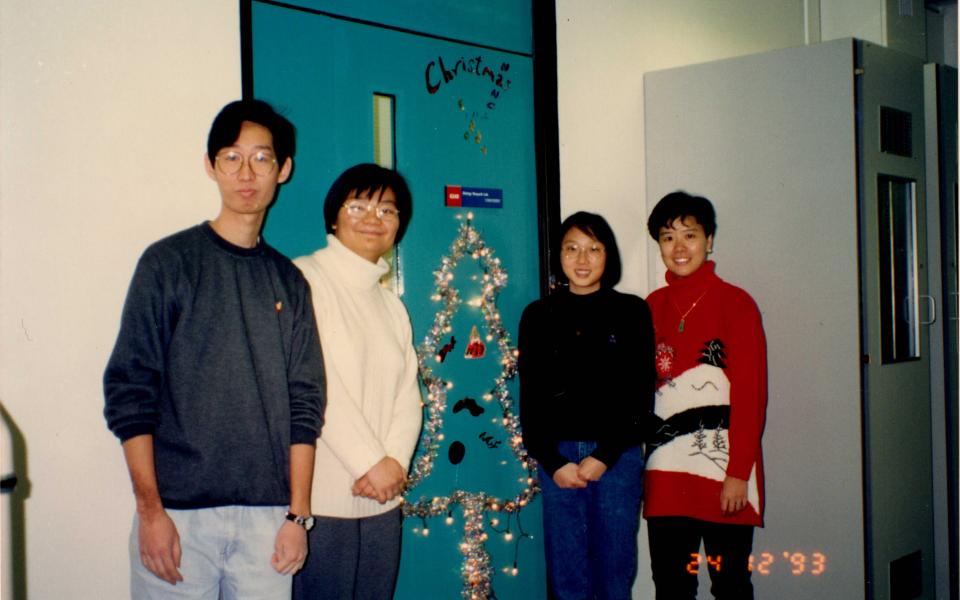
(305, 522)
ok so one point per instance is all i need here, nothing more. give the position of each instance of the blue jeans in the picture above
(226, 554)
(590, 534)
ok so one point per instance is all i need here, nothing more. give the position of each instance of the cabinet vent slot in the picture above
(906, 577)
(895, 132)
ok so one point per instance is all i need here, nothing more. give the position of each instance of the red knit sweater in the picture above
(711, 397)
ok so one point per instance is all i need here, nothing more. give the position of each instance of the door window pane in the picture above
(899, 313)
(383, 130)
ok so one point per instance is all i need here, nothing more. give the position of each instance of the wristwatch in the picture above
(305, 522)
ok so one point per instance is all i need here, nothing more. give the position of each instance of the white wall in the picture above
(895, 24)
(104, 107)
(862, 19)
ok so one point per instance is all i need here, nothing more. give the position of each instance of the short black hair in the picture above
(680, 205)
(367, 179)
(596, 227)
(226, 128)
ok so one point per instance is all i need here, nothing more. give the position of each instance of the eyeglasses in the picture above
(358, 208)
(571, 251)
(262, 163)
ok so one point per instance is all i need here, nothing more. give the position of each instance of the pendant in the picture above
(680, 327)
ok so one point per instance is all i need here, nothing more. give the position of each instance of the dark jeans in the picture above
(675, 556)
(351, 558)
(590, 534)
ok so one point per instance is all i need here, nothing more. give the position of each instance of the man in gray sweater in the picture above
(216, 387)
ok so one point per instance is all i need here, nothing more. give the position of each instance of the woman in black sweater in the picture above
(586, 390)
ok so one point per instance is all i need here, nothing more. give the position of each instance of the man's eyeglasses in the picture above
(358, 208)
(262, 163)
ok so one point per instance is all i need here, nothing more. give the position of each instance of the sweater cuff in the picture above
(300, 434)
(551, 462)
(131, 431)
(740, 471)
(608, 453)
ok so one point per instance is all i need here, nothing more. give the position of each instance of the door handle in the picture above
(932, 304)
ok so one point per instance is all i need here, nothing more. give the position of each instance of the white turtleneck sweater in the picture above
(373, 396)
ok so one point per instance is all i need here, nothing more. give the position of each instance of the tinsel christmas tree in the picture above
(483, 404)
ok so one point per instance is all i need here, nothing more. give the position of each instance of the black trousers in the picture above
(675, 557)
(351, 559)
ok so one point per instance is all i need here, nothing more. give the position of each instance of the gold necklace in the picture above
(683, 316)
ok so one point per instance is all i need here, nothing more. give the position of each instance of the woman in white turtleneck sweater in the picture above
(373, 412)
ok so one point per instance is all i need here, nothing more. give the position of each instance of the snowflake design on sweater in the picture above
(664, 360)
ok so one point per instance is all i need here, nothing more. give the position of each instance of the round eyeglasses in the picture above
(358, 208)
(594, 252)
(262, 163)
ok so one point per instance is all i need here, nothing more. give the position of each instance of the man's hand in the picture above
(157, 535)
(591, 469)
(733, 497)
(160, 546)
(290, 549)
(568, 477)
(383, 482)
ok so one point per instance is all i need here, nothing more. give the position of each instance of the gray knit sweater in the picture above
(218, 358)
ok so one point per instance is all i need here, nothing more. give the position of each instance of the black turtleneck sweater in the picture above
(586, 374)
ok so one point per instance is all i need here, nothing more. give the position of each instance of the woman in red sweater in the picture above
(704, 475)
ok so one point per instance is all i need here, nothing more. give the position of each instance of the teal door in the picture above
(446, 97)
